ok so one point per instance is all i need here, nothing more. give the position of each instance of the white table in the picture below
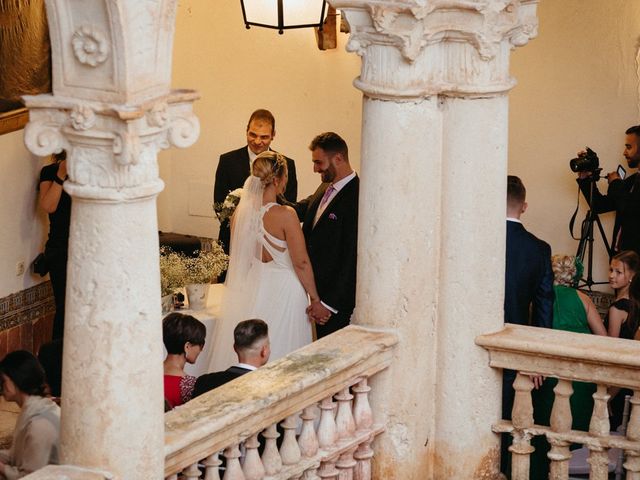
(209, 317)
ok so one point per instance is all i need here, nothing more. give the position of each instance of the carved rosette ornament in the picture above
(417, 48)
(90, 45)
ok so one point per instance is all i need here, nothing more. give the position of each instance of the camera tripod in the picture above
(585, 245)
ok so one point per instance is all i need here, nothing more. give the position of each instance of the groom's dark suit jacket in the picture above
(232, 171)
(332, 247)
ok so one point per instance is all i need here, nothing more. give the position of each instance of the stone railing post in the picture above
(432, 219)
(112, 110)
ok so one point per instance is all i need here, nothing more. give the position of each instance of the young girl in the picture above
(621, 271)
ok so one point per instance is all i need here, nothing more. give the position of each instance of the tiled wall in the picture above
(26, 319)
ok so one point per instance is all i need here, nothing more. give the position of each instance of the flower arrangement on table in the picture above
(207, 266)
(224, 210)
(178, 270)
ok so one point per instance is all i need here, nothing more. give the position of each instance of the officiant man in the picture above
(330, 227)
(234, 167)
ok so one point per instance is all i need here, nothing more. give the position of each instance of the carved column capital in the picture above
(112, 148)
(417, 48)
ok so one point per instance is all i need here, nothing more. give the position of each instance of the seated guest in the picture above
(622, 270)
(573, 311)
(36, 437)
(183, 337)
(251, 344)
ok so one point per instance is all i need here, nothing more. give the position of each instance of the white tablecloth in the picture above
(208, 316)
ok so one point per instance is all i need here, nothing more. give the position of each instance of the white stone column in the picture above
(432, 221)
(112, 110)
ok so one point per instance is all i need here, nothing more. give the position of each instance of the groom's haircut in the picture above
(331, 143)
(248, 332)
(178, 329)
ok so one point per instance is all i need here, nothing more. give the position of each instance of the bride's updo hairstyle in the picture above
(268, 166)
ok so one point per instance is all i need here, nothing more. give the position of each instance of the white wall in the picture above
(237, 71)
(577, 86)
(23, 231)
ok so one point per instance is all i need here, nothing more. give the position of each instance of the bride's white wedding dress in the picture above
(271, 292)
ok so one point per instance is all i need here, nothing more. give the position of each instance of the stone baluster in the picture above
(289, 450)
(271, 457)
(327, 428)
(522, 417)
(346, 465)
(252, 467)
(234, 469)
(599, 426)
(328, 470)
(560, 423)
(311, 474)
(211, 467)
(345, 424)
(362, 414)
(308, 440)
(192, 472)
(363, 456)
(633, 433)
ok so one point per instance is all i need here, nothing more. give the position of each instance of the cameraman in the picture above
(623, 196)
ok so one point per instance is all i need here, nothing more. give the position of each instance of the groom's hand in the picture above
(318, 312)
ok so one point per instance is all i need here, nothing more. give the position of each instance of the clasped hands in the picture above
(318, 313)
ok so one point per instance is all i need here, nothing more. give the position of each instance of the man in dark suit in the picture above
(528, 296)
(330, 226)
(623, 196)
(528, 275)
(251, 344)
(234, 167)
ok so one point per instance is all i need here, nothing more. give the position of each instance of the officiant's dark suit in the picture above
(332, 237)
(234, 166)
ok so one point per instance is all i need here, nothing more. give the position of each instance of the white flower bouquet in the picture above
(224, 210)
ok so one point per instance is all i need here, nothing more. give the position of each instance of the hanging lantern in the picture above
(283, 14)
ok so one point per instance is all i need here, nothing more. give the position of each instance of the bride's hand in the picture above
(318, 312)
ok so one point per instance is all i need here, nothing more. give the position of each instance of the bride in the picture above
(270, 275)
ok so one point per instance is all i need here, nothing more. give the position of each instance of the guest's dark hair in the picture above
(58, 157)
(635, 130)
(248, 332)
(24, 369)
(629, 259)
(264, 116)
(516, 193)
(178, 329)
(633, 318)
(331, 143)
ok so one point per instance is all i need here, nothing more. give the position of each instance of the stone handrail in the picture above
(569, 357)
(227, 416)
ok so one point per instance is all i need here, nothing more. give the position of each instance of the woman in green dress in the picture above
(573, 311)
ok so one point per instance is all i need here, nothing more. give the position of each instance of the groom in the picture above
(330, 226)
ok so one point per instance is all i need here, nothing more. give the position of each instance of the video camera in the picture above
(585, 162)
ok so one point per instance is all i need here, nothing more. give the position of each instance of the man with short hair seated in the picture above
(251, 344)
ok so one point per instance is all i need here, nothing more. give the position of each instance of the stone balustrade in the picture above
(607, 362)
(319, 397)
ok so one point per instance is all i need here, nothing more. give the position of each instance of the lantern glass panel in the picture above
(295, 12)
(262, 11)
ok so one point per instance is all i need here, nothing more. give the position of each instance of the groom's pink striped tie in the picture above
(325, 197)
